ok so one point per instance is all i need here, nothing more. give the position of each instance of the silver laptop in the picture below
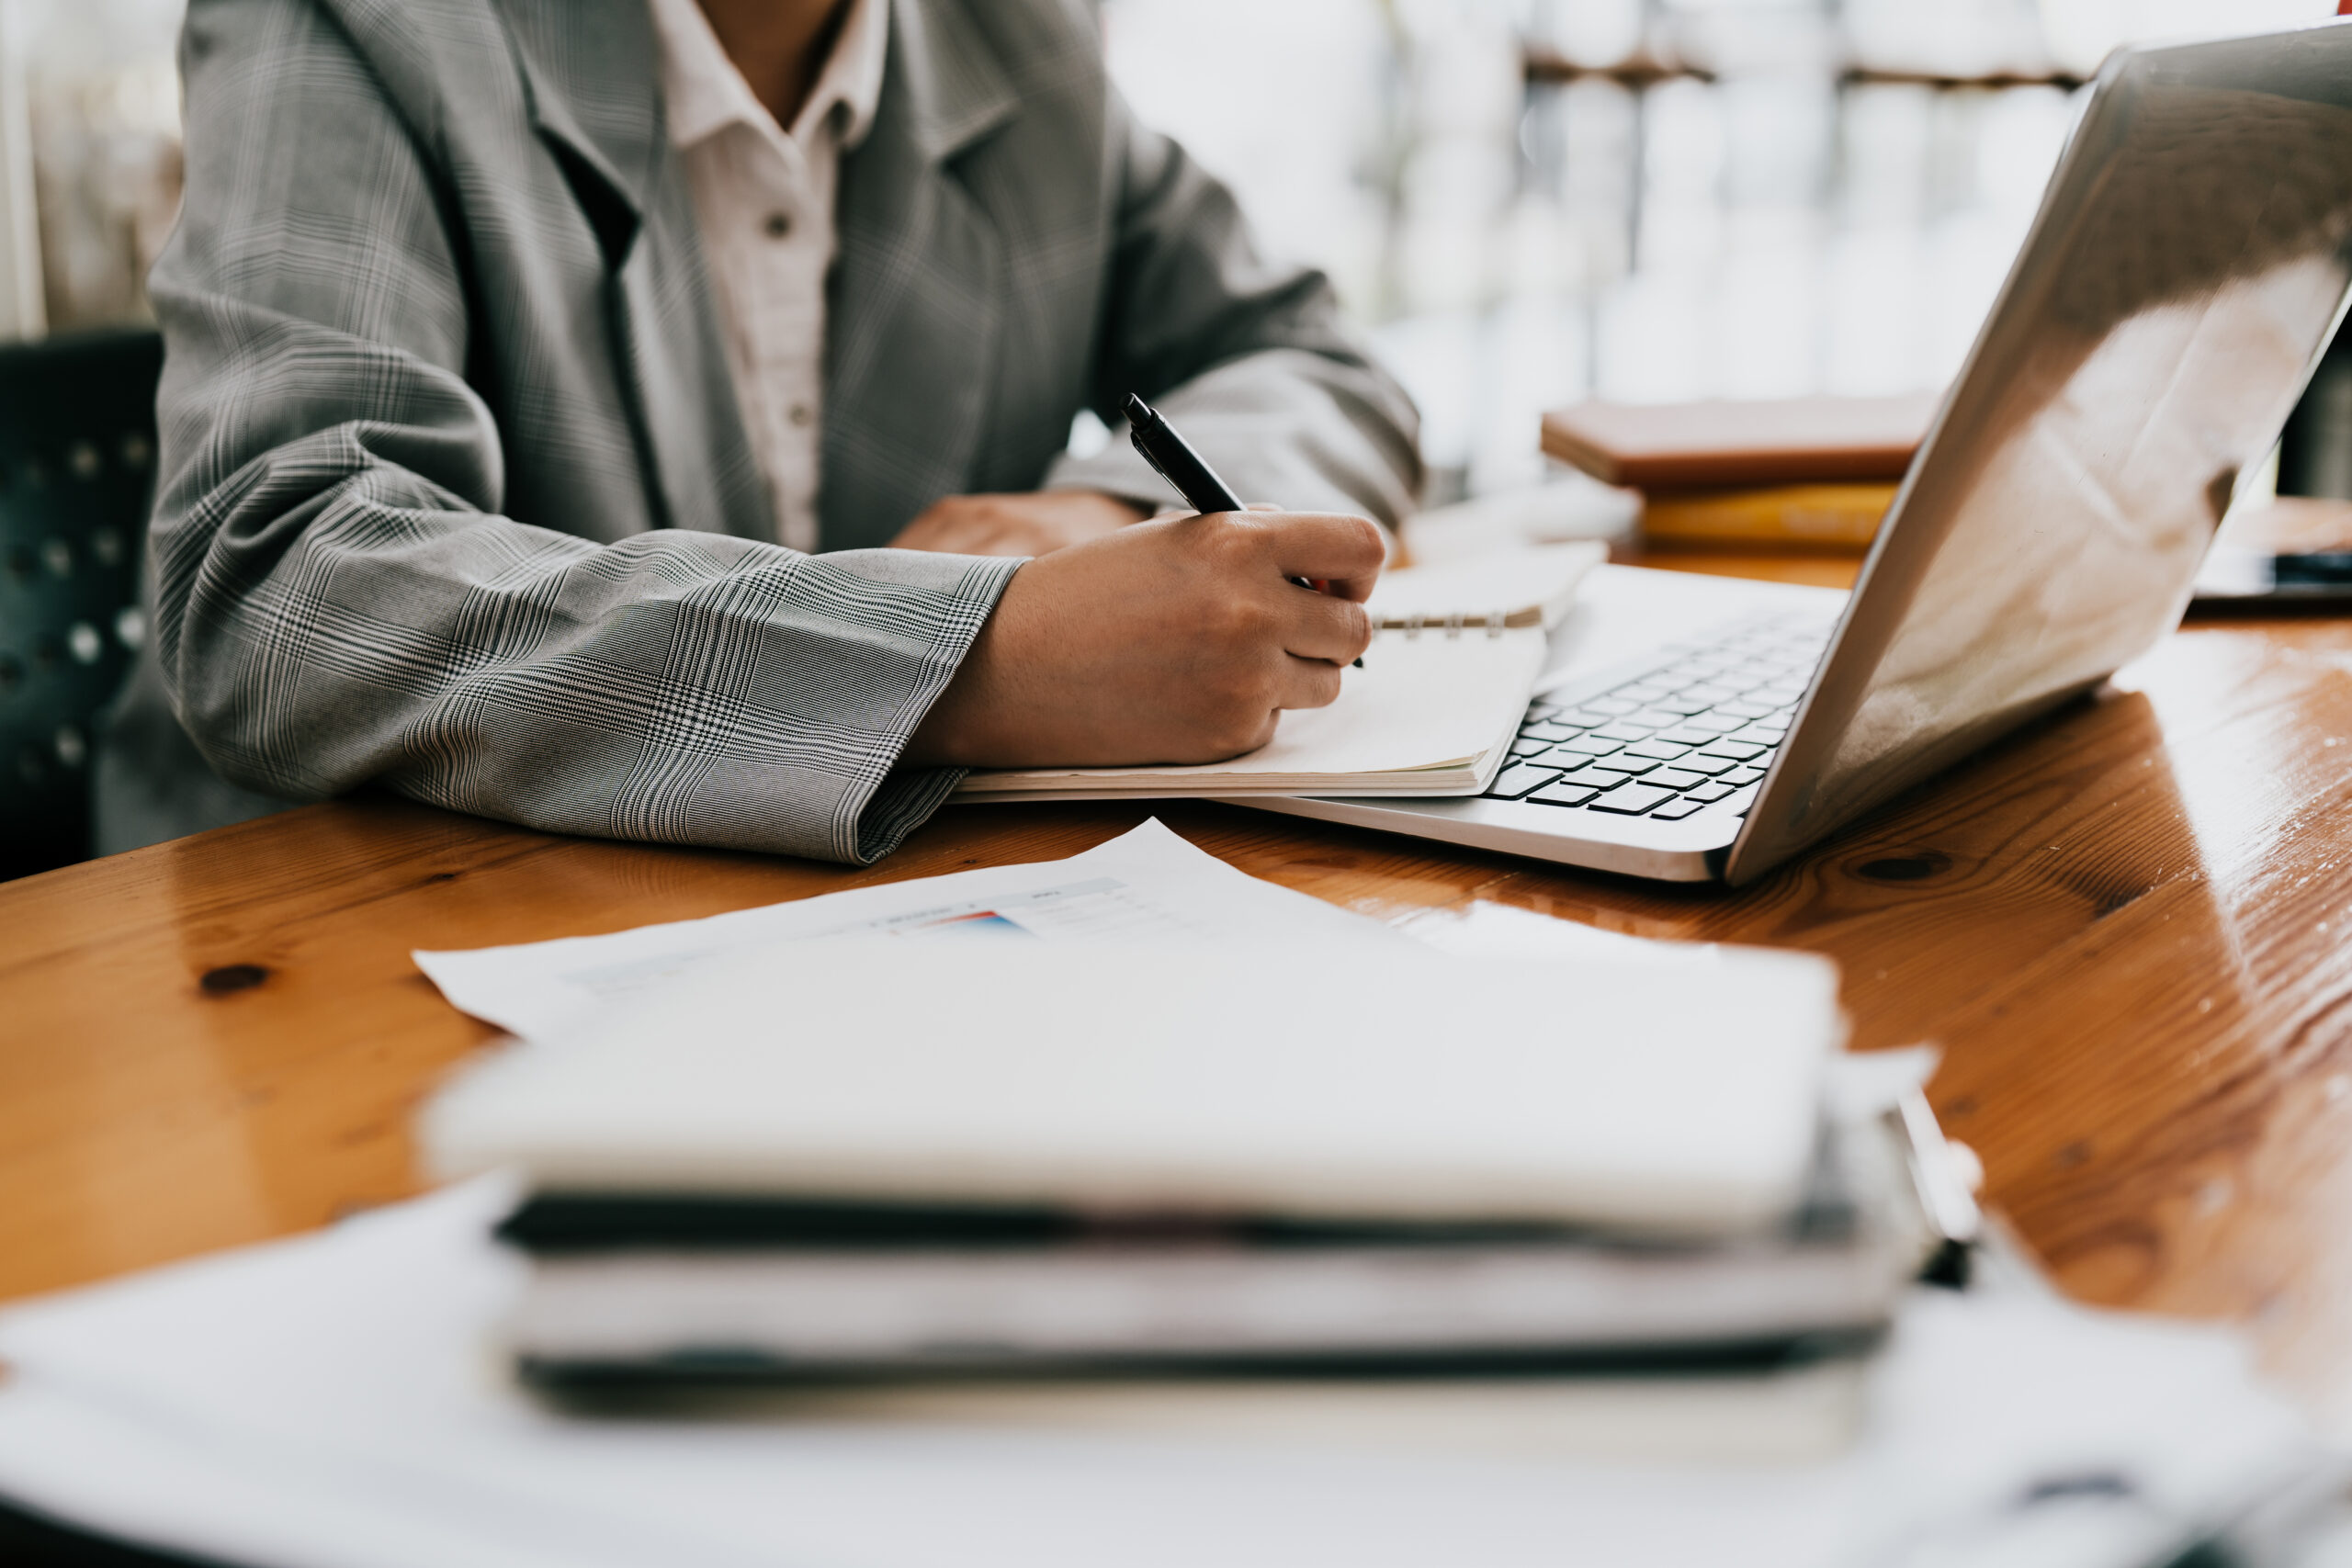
(2188, 266)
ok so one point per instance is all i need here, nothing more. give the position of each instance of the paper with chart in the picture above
(1147, 886)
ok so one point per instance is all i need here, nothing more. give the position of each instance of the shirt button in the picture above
(779, 225)
(800, 415)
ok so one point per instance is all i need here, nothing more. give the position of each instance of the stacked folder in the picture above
(1805, 473)
(1047, 1160)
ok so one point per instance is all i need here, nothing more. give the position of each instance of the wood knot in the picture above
(2115, 898)
(231, 978)
(1916, 866)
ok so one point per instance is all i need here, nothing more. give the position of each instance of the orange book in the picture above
(1787, 440)
(1819, 516)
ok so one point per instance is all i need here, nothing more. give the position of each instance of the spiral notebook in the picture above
(1432, 713)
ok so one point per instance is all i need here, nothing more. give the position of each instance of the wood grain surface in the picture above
(2126, 926)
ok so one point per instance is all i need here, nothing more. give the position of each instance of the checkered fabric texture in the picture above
(454, 496)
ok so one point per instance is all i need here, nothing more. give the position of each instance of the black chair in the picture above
(77, 466)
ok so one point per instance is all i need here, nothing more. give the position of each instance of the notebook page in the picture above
(1423, 704)
(1541, 578)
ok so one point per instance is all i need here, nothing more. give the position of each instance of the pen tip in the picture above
(1138, 410)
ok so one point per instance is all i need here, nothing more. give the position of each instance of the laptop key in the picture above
(1699, 762)
(1512, 782)
(1600, 776)
(1658, 749)
(1608, 707)
(1740, 778)
(1527, 746)
(1625, 764)
(1709, 793)
(1632, 800)
(1743, 708)
(1675, 778)
(1675, 810)
(1737, 750)
(1547, 730)
(1570, 756)
(1563, 795)
(1589, 746)
(1625, 730)
(1685, 734)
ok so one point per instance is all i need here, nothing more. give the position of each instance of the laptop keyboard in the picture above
(1669, 744)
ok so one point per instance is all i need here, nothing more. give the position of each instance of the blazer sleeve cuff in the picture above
(889, 801)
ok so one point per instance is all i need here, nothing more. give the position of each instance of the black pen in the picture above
(1172, 458)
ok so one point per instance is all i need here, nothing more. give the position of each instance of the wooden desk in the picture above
(2126, 926)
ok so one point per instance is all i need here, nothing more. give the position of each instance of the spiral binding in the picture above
(1495, 623)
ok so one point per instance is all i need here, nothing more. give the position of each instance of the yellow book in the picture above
(1824, 516)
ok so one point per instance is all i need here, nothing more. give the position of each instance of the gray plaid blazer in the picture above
(455, 497)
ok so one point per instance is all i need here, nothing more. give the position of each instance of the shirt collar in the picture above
(704, 93)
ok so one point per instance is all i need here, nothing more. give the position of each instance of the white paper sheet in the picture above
(329, 1402)
(1147, 886)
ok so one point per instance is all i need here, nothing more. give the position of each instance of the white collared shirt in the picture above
(763, 196)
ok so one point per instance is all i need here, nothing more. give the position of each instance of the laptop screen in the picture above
(2188, 263)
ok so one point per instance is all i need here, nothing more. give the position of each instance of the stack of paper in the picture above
(347, 1400)
(324, 1403)
(1111, 1152)
(642, 1286)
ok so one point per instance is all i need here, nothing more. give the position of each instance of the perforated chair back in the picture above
(78, 464)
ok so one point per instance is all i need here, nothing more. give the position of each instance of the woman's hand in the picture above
(1033, 524)
(1176, 640)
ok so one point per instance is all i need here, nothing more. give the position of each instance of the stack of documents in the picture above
(347, 1400)
(324, 1403)
(998, 1154)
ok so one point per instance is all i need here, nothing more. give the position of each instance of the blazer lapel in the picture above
(915, 304)
(591, 74)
